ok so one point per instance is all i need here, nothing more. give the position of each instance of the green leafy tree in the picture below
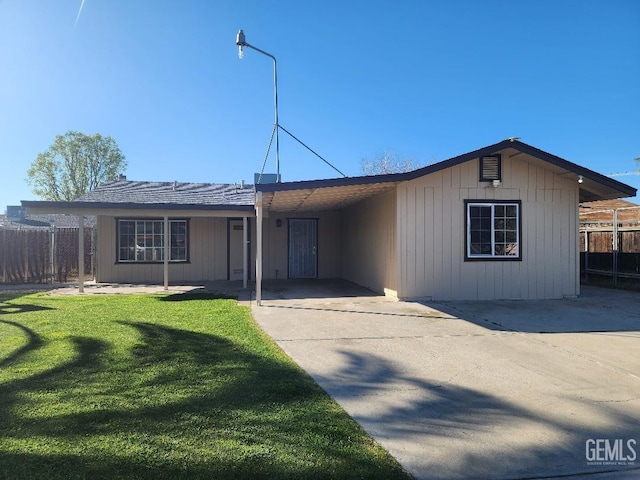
(75, 164)
(387, 162)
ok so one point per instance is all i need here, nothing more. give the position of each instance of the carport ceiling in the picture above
(322, 198)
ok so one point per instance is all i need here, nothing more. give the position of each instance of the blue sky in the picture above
(424, 79)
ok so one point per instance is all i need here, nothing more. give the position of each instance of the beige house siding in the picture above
(369, 243)
(275, 244)
(207, 254)
(431, 225)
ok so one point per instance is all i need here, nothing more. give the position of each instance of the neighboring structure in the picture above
(16, 218)
(601, 211)
(610, 240)
(499, 222)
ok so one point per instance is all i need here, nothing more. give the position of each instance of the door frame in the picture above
(289, 219)
(247, 246)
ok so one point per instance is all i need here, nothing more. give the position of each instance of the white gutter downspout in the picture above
(258, 248)
(80, 254)
(167, 252)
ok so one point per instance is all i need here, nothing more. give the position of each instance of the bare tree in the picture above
(388, 162)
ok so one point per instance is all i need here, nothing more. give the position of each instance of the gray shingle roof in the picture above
(174, 193)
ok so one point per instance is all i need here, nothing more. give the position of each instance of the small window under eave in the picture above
(490, 168)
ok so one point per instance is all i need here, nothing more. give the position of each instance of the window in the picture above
(493, 230)
(143, 240)
(490, 168)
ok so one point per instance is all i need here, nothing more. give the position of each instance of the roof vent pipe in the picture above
(122, 177)
(241, 183)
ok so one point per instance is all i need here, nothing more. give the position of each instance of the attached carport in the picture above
(312, 196)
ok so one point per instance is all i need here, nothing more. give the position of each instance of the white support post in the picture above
(80, 254)
(259, 248)
(245, 257)
(167, 252)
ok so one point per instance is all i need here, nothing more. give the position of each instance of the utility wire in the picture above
(310, 149)
(266, 155)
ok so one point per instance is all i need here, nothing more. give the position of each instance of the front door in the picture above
(303, 248)
(235, 239)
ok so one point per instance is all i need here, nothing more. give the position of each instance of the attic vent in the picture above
(490, 168)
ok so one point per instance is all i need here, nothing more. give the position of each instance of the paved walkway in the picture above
(473, 390)
(233, 289)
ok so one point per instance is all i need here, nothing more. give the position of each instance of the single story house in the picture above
(500, 222)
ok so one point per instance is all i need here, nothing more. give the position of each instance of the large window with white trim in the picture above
(493, 230)
(143, 240)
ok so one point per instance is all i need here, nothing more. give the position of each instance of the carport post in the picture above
(259, 248)
(616, 247)
(245, 258)
(167, 252)
(80, 254)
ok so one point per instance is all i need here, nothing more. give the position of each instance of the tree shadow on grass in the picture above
(196, 294)
(180, 404)
(8, 308)
(34, 341)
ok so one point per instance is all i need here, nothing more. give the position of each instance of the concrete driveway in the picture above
(501, 390)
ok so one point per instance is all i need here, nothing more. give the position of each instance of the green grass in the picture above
(163, 387)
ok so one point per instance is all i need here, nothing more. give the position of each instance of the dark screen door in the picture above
(303, 248)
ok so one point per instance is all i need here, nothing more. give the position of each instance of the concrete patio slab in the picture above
(473, 389)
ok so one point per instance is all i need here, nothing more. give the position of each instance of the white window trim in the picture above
(136, 220)
(480, 203)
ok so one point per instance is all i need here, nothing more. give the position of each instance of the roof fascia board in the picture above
(385, 178)
(436, 167)
(575, 168)
(131, 206)
(330, 182)
(48, 208)
(465, 157)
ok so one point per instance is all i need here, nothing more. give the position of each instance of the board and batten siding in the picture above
(368, 241)
(207, 255)
(275, 249)
(431, 234)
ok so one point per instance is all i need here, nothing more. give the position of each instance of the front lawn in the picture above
(156, 386)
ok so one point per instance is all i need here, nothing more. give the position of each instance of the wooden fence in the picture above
(43, 256)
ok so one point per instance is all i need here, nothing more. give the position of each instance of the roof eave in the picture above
(330, 182)
(97, 206)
